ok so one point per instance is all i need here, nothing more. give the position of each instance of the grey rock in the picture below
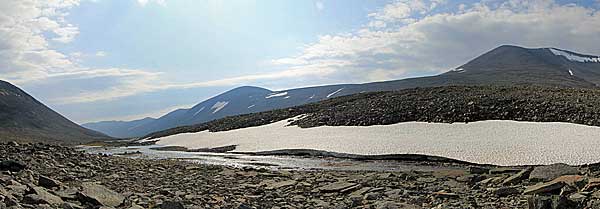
(470, 179)
(47, 182)
(427, 179)
(360, 192)
(550, 172)
(40, 199)
(505, 191)
(298, 198)
(544, 187)
(336, 187)
(445, 194)
(394, 205)
(516, 178)
(11, 165)
(577, 197)
(135, 206)
(243, 206)
(68, 205)
(280, 184)
(40, 195)
(372, 196)
(320, 203)
(502, 170)
(349, 189)
(172, 205)
(99, 195)
(478, 170)
(394, 193)
(539, 202)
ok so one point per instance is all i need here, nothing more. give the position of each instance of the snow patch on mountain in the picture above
(218, 106)
(200, 110)
(280, 94)
(574, 57)
(570, 72)
(458, 70)
(335, 92)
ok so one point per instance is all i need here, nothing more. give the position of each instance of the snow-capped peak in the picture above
(574, 57)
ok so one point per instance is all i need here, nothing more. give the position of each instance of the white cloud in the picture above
(392, 12)
(405, 38)
(100, 53)
(65, 34)
(132, 82)
(158, 2)
(24, 49)
(319, 5)
(26, 58)
(401, 39)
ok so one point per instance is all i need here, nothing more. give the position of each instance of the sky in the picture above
(94, 60)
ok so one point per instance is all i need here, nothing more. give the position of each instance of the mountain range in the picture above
(23, 118)
(506, 65)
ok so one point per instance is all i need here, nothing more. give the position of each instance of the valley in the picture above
(512, 128)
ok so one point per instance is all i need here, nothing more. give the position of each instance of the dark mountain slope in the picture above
(431, 104)
(23, 118)
(504, 66)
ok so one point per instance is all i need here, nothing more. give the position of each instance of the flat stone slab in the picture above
(523, 174)
(504, 170)
(42, 196)
(337, 186)
(444, 194)
(550, 172)
(48, 182)
(544, 187)
(99, 195)
(281, 184)
(505, 191)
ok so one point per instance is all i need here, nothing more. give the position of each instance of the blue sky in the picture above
(97, 60)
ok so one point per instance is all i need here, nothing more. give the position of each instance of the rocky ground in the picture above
(435, 104)
(49, 176)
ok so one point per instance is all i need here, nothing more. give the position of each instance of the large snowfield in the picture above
(493, 142)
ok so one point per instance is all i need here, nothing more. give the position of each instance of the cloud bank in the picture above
(407, 38)
(401, 39)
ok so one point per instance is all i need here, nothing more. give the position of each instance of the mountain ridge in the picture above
(25, 119)
(506, 65)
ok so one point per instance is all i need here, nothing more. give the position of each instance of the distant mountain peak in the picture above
(246, 88)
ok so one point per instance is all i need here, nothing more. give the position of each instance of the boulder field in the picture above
(52, 176)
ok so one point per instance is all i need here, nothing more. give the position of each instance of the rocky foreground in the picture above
(49, 176)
